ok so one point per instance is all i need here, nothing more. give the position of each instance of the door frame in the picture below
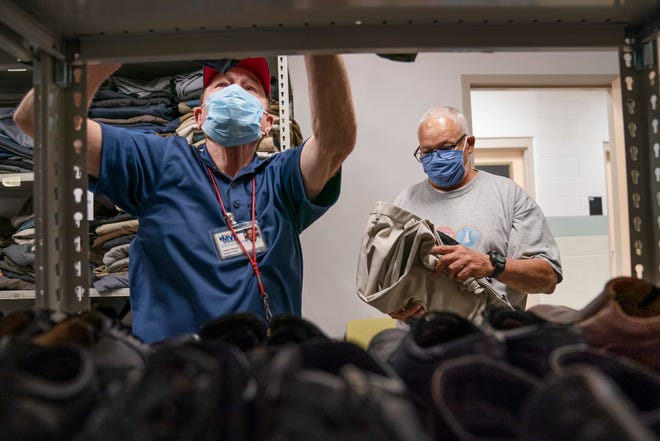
(620, 262)
(518, 146)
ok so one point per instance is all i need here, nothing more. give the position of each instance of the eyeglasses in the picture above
(417, 154)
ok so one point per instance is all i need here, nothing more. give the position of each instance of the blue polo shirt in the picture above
(178, 281)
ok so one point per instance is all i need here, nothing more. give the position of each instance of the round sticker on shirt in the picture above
(468, 236)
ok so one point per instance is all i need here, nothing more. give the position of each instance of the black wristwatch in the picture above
(499, 261)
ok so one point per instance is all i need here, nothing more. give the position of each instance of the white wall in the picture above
(389, 99)
(568, 127)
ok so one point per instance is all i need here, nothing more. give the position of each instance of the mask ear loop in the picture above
(467, 162)
(261, 132)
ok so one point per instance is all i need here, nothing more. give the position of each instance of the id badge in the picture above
(227, 244)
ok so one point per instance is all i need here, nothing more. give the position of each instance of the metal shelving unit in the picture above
(30, 294)
(58, 39)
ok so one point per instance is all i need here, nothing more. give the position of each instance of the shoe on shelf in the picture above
(25, 323)
(638, 383)
(46, 393)
(499, 319)
(581, 404)
(624, 318)
(118, 357)
(289, 328)
(331, 390)
(188, 392)
(244, 330)
(479, 398)
(248, 331)
(386, 342)
(436, 337)
(529, 339)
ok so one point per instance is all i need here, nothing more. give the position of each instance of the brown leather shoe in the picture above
(624, 319)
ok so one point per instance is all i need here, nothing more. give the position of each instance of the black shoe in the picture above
(326, 390)
(479, 398)
(498, 319)
(433, 339)
(248, 331)
(118, 357)
(581, 404)
(639, 384)
(244, 330)
(188, 392)
(289, 328)
(529, 339)
(653, 422)
(386, 342)
(45, 393)
(176, 340)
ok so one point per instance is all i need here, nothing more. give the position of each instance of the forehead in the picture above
(433, 131)
(238, 75)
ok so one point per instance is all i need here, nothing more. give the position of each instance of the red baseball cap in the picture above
(257, 66)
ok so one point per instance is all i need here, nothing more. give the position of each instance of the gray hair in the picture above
(446, 112)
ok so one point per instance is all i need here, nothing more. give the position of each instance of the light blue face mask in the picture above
(444, 167)
(233, 117)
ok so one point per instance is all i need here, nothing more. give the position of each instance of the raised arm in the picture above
(96, 75)
(333, 121)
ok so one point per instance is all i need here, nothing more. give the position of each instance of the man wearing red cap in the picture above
(191, 260)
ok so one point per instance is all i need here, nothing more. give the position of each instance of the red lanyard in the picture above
(229, 220)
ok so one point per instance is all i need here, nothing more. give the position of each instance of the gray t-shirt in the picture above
(491, 213)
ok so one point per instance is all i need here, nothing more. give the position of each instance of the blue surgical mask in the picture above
(233, 117)
(444, 167)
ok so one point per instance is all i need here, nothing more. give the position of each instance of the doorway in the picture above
(566, 171)
(508, 157)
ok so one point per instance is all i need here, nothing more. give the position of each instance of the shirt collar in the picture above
(256, 164)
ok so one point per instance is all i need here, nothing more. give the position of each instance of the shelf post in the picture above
(60, 194)
(283, 101)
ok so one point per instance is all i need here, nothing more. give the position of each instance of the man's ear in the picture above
(197, 113)
(470, 143)
(270, 120)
